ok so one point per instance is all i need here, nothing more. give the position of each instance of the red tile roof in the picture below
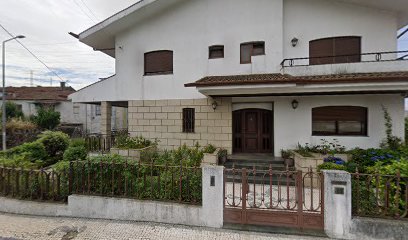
(39, 93)
(278, 78)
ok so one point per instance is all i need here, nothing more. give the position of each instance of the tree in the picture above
(47, 118)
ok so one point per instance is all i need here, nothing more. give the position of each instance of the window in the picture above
(158, 62)
(335, 50)
(76, 109)
(97, 110)
(340, 121)
(251, 49)
(216, 52)
(188, 120)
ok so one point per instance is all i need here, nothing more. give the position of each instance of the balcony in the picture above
(342, 64)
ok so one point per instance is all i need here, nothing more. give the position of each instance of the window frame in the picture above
(361, 116)
(216, 48)
(251, 54)
(98, 111)
(150, 73)
(188, 120)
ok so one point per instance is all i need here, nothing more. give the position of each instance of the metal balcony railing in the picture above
(354, 58)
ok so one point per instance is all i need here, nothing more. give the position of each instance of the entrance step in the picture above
(262, 164)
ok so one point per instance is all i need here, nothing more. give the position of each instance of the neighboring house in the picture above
(253, 76)
(83, 116)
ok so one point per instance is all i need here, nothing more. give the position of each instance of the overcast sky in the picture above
(46, 24)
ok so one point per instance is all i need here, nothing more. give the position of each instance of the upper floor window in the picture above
(216, 52)
(188, 120)
(158, 62)
(251, 49)
(335, 50)
(339, 121)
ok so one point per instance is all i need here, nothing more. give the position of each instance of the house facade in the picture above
(253, 76)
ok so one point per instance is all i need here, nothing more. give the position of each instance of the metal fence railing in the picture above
(383, 196)
(111, 179)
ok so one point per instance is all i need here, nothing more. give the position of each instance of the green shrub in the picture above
(123, 141)
(330, 166)
(47, 118)
(77, 142)
(390, 142)
(75, 153)
(12, 111)
(55, 144)
(406, 130)
(30, 151)
(209, 149)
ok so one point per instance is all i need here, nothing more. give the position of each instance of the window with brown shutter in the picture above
(158, 62)
(335, 50)
(339, 121)
(251, 49)
(216, 52)
(188, 120)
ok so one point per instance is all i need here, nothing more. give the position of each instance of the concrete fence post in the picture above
(213, 196)
(337, 200)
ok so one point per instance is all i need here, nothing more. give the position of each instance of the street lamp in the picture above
(4, 90)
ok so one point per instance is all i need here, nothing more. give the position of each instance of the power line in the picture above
(84, 12)
(93, 14)
(11, 35)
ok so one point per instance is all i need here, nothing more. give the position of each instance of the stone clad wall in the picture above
(162, 120)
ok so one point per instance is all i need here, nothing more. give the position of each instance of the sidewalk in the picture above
(15, 227)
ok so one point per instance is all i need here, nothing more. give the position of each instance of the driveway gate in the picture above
(274, 198)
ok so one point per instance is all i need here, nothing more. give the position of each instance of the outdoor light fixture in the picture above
(295, 104)
(214, 105)
(294, 42)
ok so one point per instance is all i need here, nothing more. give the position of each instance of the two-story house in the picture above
(253, 76)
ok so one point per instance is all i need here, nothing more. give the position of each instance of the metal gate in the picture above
(274, 198)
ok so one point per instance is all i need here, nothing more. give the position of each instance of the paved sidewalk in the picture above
(13, 227)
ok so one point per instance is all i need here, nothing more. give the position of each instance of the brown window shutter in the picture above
(246, 53)
(347, 46)
(321, 48)
(159, 62)
(338, 115)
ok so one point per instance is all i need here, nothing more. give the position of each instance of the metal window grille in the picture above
(188, 120)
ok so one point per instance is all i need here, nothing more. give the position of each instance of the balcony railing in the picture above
(354, 58)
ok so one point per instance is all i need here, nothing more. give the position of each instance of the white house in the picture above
(84, 117)
(253, 76)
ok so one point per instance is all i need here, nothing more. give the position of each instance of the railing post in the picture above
(299, 193)
(70, 177)
(245, 188)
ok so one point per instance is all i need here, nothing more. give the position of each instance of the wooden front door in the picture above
(252, 131)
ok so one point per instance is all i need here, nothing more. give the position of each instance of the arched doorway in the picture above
(252, 131)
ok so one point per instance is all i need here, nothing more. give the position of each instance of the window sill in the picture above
(158, 74)
(315, 135)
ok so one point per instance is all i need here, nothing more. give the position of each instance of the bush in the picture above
(209, 149)
(12, 111)
(75, 153)
(47, 118)
(390, 142)
(364, 158)
(330, 166)
(77, 142)
(31, 152)
(55, 144)
(123, 141)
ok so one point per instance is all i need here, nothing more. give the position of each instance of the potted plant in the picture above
(287, 156)
(222, 156)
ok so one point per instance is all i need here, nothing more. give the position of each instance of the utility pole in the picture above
(31, 78)
(51, 81)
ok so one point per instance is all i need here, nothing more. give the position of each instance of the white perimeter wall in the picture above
(295, 126)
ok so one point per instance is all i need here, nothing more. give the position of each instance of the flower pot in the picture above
(290, 162)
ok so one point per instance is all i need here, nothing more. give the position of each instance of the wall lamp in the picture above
(295, 104)
(214, 105)
(294, 42)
